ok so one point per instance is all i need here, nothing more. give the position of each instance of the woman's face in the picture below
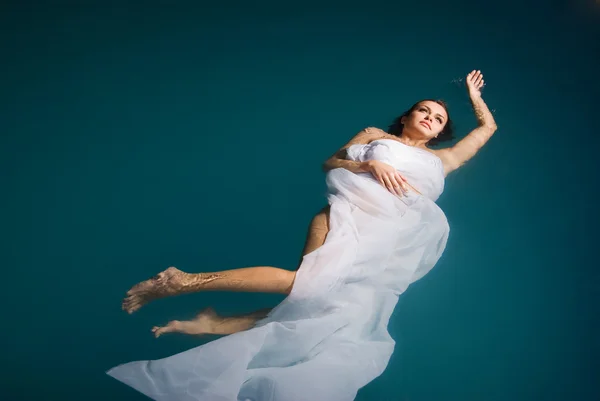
(426, 121)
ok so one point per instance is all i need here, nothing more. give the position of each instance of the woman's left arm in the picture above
(466, 148)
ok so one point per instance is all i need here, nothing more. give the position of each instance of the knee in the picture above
(290, 282)
(321, 220)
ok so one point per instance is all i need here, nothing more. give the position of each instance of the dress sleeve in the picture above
(356, 152)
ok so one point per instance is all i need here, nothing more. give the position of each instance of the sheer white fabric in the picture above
(329, 337)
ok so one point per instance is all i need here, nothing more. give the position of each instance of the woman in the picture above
(328, 338)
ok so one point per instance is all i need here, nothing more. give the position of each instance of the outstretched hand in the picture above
(474, 83)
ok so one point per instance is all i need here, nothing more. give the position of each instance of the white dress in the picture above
(329, 337)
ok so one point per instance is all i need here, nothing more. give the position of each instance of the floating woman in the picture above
(381, 232)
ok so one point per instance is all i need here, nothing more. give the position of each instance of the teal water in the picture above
(134, 138)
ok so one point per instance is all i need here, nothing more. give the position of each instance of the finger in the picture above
(391, 186)
(397, 184)
(402, 181)
(479, 78)
(474, 78)
(481, 84)
(388, 184)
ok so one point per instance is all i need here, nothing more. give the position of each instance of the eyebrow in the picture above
(437, 114)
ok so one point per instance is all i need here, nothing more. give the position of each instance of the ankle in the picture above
(188, 282)
(201, 281)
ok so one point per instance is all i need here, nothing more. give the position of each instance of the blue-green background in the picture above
(135, 136)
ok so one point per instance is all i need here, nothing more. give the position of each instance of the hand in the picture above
(388, 176)
(474, 83)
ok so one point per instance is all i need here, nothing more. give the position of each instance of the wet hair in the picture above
(447, 133)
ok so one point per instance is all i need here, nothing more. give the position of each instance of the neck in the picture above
(418, 143)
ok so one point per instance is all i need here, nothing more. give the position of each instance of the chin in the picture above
(424, 130)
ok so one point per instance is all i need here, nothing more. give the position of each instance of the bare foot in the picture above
(167, 283)
(204, 323)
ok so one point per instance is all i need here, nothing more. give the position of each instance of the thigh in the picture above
(317, 231)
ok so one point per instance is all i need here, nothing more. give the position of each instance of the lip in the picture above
(425, 124)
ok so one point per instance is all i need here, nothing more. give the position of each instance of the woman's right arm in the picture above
(338, 159)
(384, 173)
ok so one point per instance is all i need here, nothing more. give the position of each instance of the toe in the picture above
(132, 307)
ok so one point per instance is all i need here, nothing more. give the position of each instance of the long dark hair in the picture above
(447, 133)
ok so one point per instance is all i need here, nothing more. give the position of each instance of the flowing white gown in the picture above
(329, 337)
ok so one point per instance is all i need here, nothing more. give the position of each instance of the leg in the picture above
(317, 232)
(251, 279)
(175, 282)
(208, 322)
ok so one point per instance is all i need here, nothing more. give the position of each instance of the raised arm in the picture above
(457, 155)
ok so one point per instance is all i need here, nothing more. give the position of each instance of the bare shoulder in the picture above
(377, 131)
(367, 135)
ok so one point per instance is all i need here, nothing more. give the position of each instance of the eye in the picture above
(439, 120)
